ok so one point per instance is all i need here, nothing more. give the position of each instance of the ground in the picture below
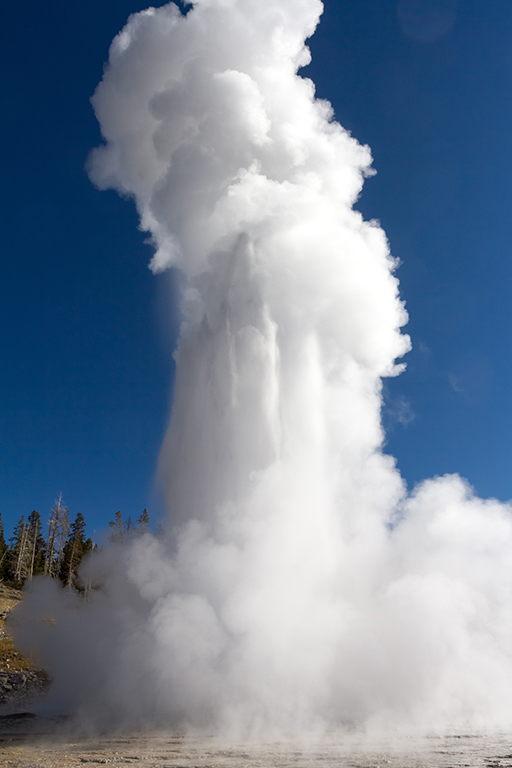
(20, 680)
(28, 741)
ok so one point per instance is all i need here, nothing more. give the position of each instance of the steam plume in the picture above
(298, 587)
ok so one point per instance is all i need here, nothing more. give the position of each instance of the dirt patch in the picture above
(21, 682)
(10, 659)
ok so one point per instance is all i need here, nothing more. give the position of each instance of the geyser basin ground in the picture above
(46, 744)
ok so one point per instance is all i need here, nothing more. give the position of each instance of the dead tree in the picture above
(58, 530)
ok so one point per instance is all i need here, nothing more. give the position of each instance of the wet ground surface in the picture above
(30, 742)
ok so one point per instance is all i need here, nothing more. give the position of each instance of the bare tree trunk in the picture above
(69, 581)
(58, 529)
(50, 547)
(18, 572)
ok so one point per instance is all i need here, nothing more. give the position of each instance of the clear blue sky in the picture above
(87, 330)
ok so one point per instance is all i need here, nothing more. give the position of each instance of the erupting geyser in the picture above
(298, 588)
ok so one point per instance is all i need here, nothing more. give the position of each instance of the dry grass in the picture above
(9, 597)
(10, 659)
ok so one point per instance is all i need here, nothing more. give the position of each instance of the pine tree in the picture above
(4, 550)
(19, 553)
(58, 530)
(36, 545)
(143, 522)
(74, 550)
(118, 527)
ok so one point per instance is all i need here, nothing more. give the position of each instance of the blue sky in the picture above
(87, 330)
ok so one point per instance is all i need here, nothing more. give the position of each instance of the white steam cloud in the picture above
(298, 587)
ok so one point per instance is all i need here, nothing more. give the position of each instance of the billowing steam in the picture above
(298, 587)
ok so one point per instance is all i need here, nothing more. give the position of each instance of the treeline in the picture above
(28, 553)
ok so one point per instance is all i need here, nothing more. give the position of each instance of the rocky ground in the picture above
(20, 681)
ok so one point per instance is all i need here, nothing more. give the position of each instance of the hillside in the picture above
(20, 681)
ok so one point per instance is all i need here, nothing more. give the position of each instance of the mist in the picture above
(298, 588)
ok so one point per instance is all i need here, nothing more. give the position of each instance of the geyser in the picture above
(298, 588)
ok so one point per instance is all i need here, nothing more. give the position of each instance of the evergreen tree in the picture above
(4, 551)
(36, 545)
(118, 527)
(143, 522)
(19, 553)
(58, 530)
(74, 550)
